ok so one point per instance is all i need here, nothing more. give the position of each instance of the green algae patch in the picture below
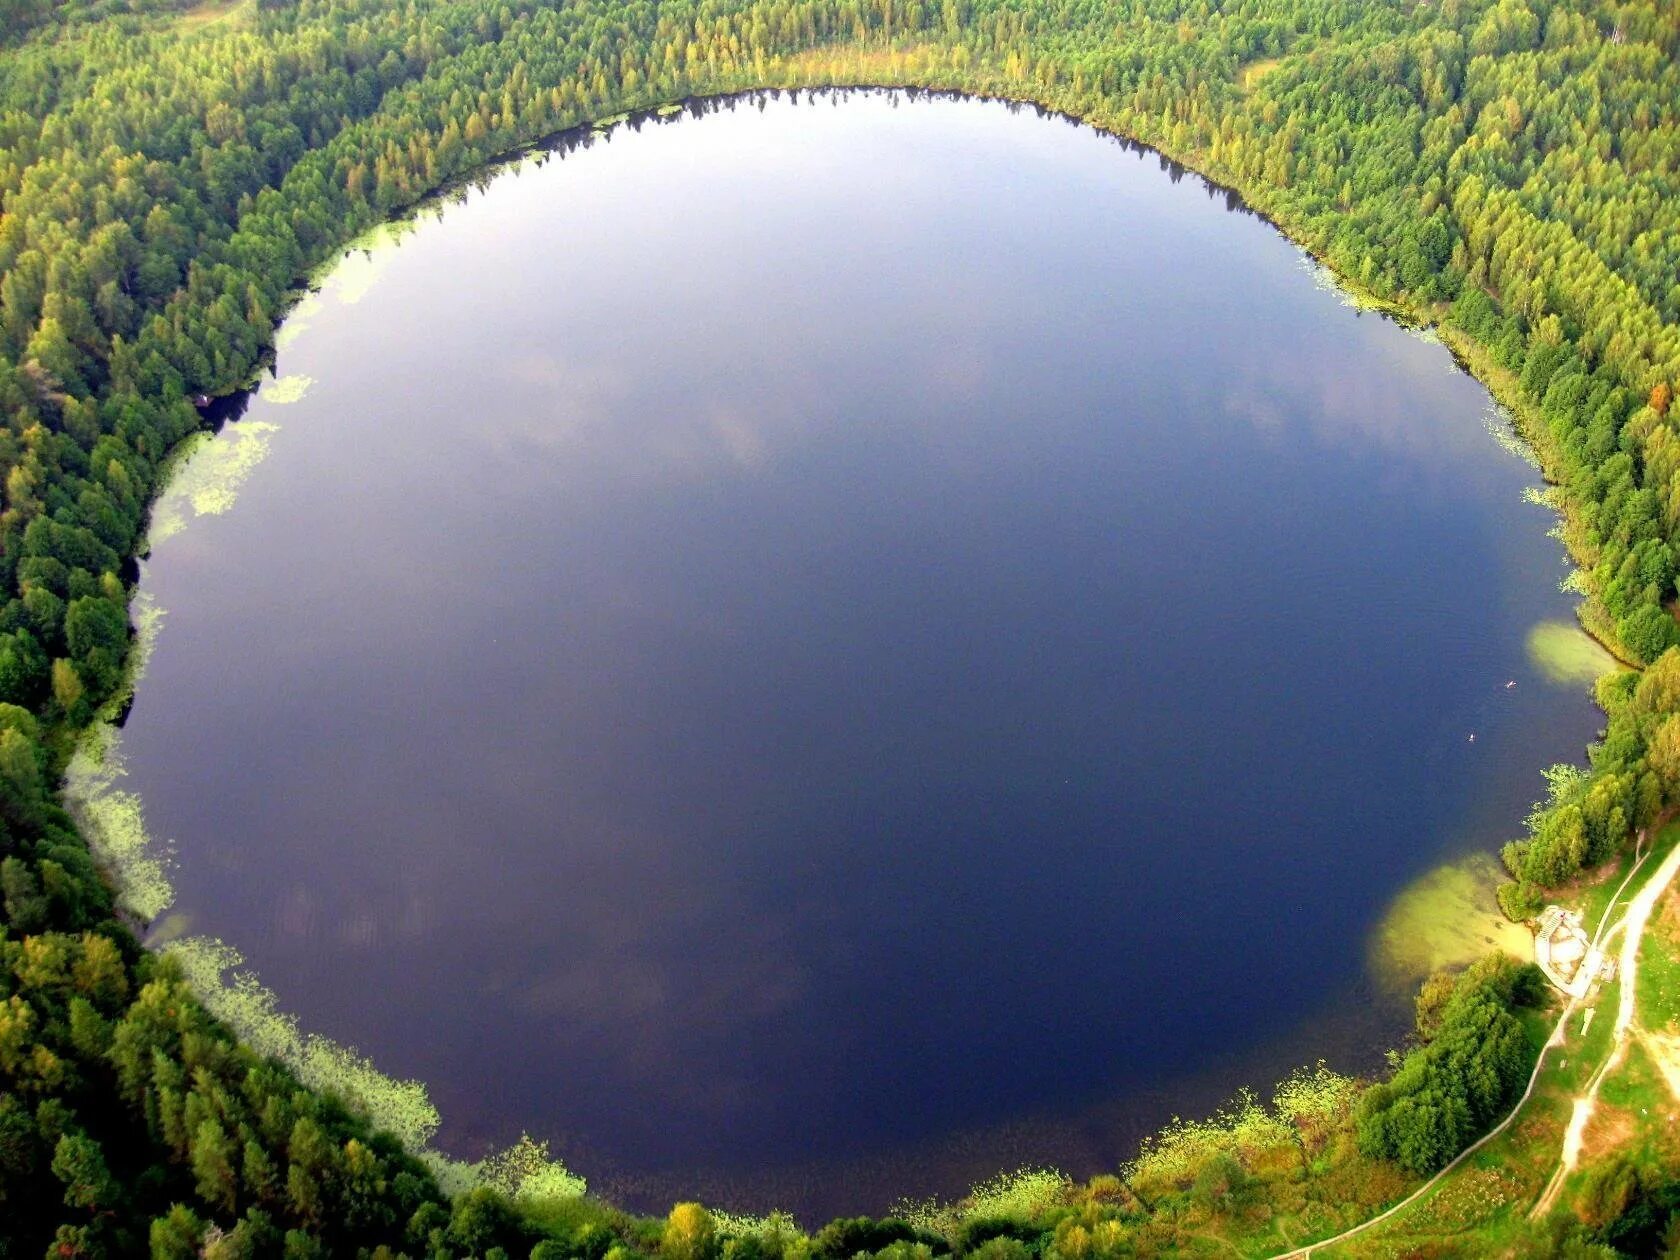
(298, 319)
(1501, 426)
(209, 472)
(113, 820)
(237, 998)
(115, 826)
(351, 276)
(1566, 654)
(1447, 918)
(288, 389)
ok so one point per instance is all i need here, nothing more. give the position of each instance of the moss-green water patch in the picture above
(288, 389)
(1446, 918)
(298, 319)
(209, 472)
(1566, 654)
(172, 927)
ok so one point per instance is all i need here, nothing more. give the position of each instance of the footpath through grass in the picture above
(1482, 1206)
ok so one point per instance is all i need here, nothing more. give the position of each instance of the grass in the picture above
(1491, 1188)
(1248, 78)
(1490, 1195)
(216, 15)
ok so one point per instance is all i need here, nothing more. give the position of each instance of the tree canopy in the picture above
(1506, 169)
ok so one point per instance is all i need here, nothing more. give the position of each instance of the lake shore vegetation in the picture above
(1503, 170)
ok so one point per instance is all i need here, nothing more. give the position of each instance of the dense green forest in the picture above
(1504, 169)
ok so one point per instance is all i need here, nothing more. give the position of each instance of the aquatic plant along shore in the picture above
(1418, 203)
(1015, 425)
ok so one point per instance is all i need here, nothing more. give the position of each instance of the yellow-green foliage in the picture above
(689, 1233)
(1244, 1128)
(240, 1001)
(1315, 1100)
(1024, 1194)
(526, 1174)
(778, 1233)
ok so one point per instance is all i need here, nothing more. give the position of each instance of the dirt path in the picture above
(1645, 901)
(1556, 1039)
(1632, 927)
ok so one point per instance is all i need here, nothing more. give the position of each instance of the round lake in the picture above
(823, 650)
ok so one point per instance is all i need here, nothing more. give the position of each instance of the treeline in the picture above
(1473, 1061)
(132, 1123)
(1507, 167)
(1630, 785)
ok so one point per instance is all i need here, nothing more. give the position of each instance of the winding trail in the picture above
(1634, 921)
(1632, 926)
(1556, 1039)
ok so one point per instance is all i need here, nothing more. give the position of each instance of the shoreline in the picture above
(634, 118)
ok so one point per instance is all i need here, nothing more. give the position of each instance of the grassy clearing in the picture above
(1248, 78)
(1484, 1201)
(219, 16)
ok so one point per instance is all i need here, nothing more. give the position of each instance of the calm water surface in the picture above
(821, 651)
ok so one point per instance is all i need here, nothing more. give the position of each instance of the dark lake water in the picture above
(825, 650)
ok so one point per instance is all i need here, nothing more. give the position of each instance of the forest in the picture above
(1503, 170)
